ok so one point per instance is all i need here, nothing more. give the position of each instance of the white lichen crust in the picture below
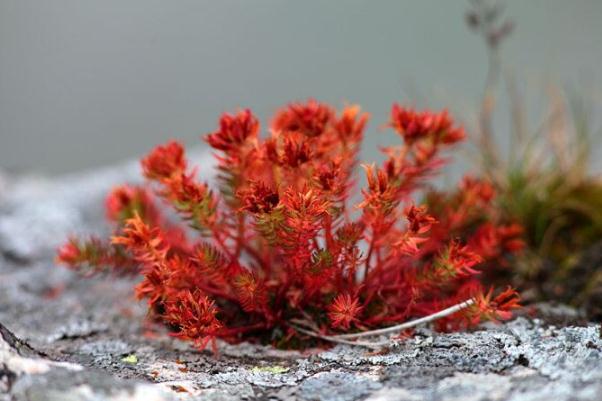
(64, 338)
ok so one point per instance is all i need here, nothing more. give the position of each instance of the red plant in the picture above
(280, 242)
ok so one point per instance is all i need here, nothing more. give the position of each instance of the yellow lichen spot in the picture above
(131, 359)
(276, 370)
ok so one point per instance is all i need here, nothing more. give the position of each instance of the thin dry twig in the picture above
(410, 324)
(348, 338)
(367, 344)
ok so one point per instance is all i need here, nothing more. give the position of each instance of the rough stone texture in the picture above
(85, 339)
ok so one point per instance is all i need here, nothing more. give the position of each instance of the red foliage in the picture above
(344, 311)
(234, 131)
(416, 126)
(281, 243)
(164, 162)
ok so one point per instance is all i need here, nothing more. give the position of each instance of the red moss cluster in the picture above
(279, 241)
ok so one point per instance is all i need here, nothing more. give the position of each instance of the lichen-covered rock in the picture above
(86, 339)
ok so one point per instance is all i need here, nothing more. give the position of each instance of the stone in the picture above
(65, 338)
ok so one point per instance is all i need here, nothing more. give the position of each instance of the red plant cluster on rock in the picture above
(281, 243)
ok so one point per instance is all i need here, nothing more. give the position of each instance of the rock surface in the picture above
(63, 338)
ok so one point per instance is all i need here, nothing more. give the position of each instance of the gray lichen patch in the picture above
(80, 339)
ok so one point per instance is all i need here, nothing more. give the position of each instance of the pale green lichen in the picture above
(277, 370)
(131, 359)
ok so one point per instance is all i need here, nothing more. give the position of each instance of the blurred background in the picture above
(84, 84)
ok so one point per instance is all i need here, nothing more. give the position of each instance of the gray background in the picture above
(86, 83)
